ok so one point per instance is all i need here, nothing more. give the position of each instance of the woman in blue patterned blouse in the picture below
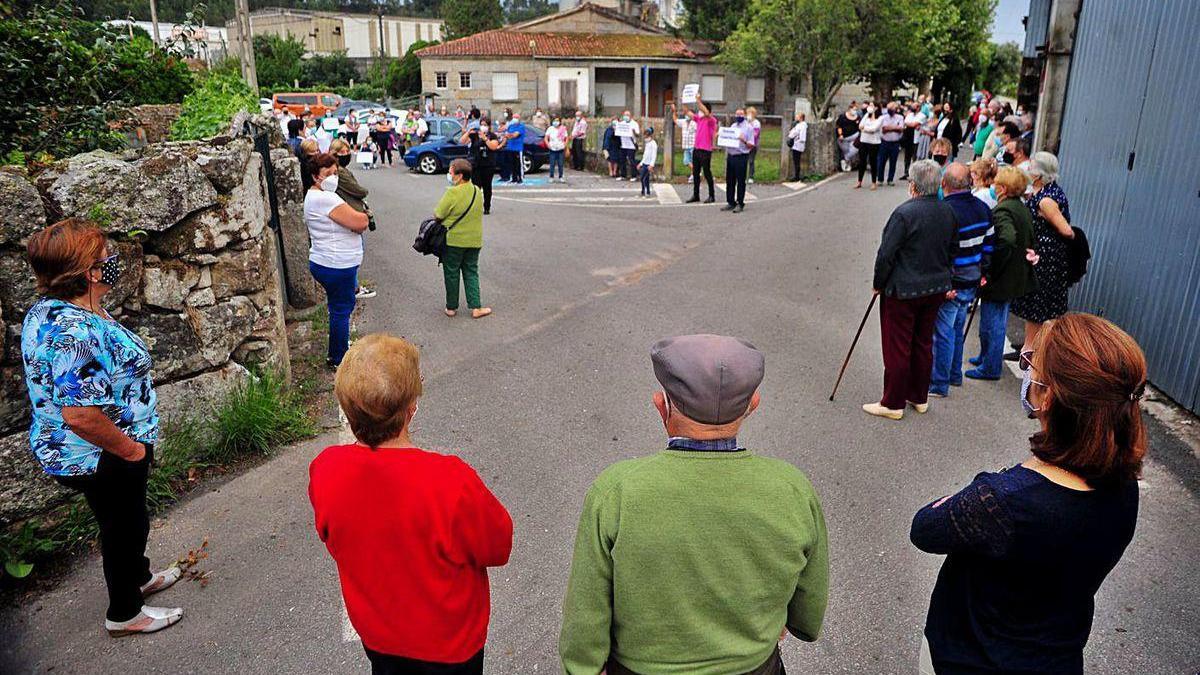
(94, 415)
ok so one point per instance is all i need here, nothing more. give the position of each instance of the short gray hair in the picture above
(926, 176)
(1044, 165)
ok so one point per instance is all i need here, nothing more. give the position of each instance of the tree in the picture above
(964, 63)
(334, 70)
(400, 77)
(713, 19)
(516, 11)
(807, 41)
(1003, 71)
(467, 17)
(903, 41)
(278, 60)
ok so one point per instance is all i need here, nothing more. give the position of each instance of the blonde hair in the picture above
(985, 169)
(376, 385)
(941, 144)
(1013, 180)
(309, 146)
(338, 145)
(751, 110)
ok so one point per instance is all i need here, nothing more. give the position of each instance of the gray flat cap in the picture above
(709, 378)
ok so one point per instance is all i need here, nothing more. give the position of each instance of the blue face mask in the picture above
(992, 192)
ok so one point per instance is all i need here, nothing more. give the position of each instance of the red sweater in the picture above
(412, 533)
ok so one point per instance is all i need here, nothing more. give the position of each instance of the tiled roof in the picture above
(509, 43)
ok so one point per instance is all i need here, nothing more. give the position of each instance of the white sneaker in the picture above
(364, 293)
(149, 620)
(750, 181)
(161, 581)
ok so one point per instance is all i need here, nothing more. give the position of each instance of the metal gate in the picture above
(1131, 134)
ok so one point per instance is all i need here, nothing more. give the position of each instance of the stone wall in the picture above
(202, 282)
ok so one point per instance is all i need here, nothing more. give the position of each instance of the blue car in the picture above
(441, 147)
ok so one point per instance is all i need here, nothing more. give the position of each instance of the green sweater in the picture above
(1010, 276)
(693, 562)
(468, 233)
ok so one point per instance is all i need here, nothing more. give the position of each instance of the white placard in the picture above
(330, 123)
(366, 157)
(689, 93)
(624, 129)
(728, 137)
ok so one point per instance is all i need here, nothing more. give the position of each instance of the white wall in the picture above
(580, 75)
(357, 35)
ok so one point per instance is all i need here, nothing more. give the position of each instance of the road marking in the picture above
(666, 194)
(797, 185)
(575, 200)
(567, 189)
(348, 632)
(786, 195)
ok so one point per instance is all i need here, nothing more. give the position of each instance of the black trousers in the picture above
(577, 154)
(735, 179)
(868, 157)
(482, 176)
(910, 151)
(383, 142)
(628, 162)
(386, 664)
(116, 494)
(701, 161)
(796, 155)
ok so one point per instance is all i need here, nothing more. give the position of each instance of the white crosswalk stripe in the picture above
(749, 197)
(666, 194)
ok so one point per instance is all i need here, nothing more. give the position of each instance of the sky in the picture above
(1007, 25)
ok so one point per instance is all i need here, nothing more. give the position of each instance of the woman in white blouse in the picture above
(336, 250)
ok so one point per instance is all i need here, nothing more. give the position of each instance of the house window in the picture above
(756, 89)
(712, 87)
(440, 80)
(464, 80)
(504, 87)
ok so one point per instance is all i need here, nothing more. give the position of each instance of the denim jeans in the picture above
(556, 160)
(888, 152)
(948, 342)
(339, 285)
(993, 321)
(644, 176)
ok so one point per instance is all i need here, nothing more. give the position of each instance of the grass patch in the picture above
(254, 419)
(766, 163)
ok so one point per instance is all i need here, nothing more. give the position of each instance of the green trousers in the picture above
(465, 261)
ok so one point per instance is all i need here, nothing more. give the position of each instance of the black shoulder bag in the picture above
(431, 234)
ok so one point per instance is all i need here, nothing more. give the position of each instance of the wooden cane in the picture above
(845, 363)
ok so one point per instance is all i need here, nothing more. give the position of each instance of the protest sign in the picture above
(624, 129)
(727, 137)
(690, 93)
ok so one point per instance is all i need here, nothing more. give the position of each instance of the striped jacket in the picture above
(973, 219)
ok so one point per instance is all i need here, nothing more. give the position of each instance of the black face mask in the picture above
(110, 272)
(343, 160)
(940, 159)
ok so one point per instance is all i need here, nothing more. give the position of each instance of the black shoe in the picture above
(693, 200)
(728, 207)
(739, 208)
(330, 365)
(710, 200)
(904, 177)
(487, 212)
(890, 183)
(1013, 356)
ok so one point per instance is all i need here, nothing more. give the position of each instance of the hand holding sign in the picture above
(690, 93)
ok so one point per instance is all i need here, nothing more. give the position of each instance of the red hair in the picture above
(62, 254)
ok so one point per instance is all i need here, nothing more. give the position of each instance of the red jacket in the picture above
(412, 533)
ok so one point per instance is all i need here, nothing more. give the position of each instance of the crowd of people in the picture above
(722, 552)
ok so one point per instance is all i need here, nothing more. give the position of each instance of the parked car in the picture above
(441, 147)
(265, 105)
(318, 103)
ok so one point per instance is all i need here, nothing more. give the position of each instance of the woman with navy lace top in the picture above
(1028, 547)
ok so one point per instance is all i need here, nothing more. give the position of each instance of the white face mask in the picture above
(483, 128)
(330, 183)
(450, 178)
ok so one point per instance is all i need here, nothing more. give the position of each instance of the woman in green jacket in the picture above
(1009, 275)
(461, 211)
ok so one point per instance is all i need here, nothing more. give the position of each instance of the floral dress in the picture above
(75, 358)
(1049, 301)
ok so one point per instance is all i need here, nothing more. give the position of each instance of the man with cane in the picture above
(913, 270)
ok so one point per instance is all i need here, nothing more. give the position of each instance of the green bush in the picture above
(362, 92)
(328, 71)
(209, 108)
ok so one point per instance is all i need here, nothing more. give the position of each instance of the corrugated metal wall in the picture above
(1130, 159)
(1037, 24)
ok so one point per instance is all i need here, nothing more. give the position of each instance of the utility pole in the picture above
(246, 38)
(154, 20)
(382, 44)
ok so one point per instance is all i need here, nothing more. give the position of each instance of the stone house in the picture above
(590, 57)
(363, 37)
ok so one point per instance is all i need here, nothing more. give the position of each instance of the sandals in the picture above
(481, 312)
(450, 312)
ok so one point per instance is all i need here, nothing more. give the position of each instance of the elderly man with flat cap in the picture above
(698, 559)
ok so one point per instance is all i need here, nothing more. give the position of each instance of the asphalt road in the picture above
(557, 384)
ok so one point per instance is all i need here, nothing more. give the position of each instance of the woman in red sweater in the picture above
(412, 532)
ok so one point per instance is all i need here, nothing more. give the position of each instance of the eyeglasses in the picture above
(104, 260)
(1026, 360)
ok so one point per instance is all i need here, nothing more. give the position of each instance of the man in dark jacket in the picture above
(974, 222)
(913, 274)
